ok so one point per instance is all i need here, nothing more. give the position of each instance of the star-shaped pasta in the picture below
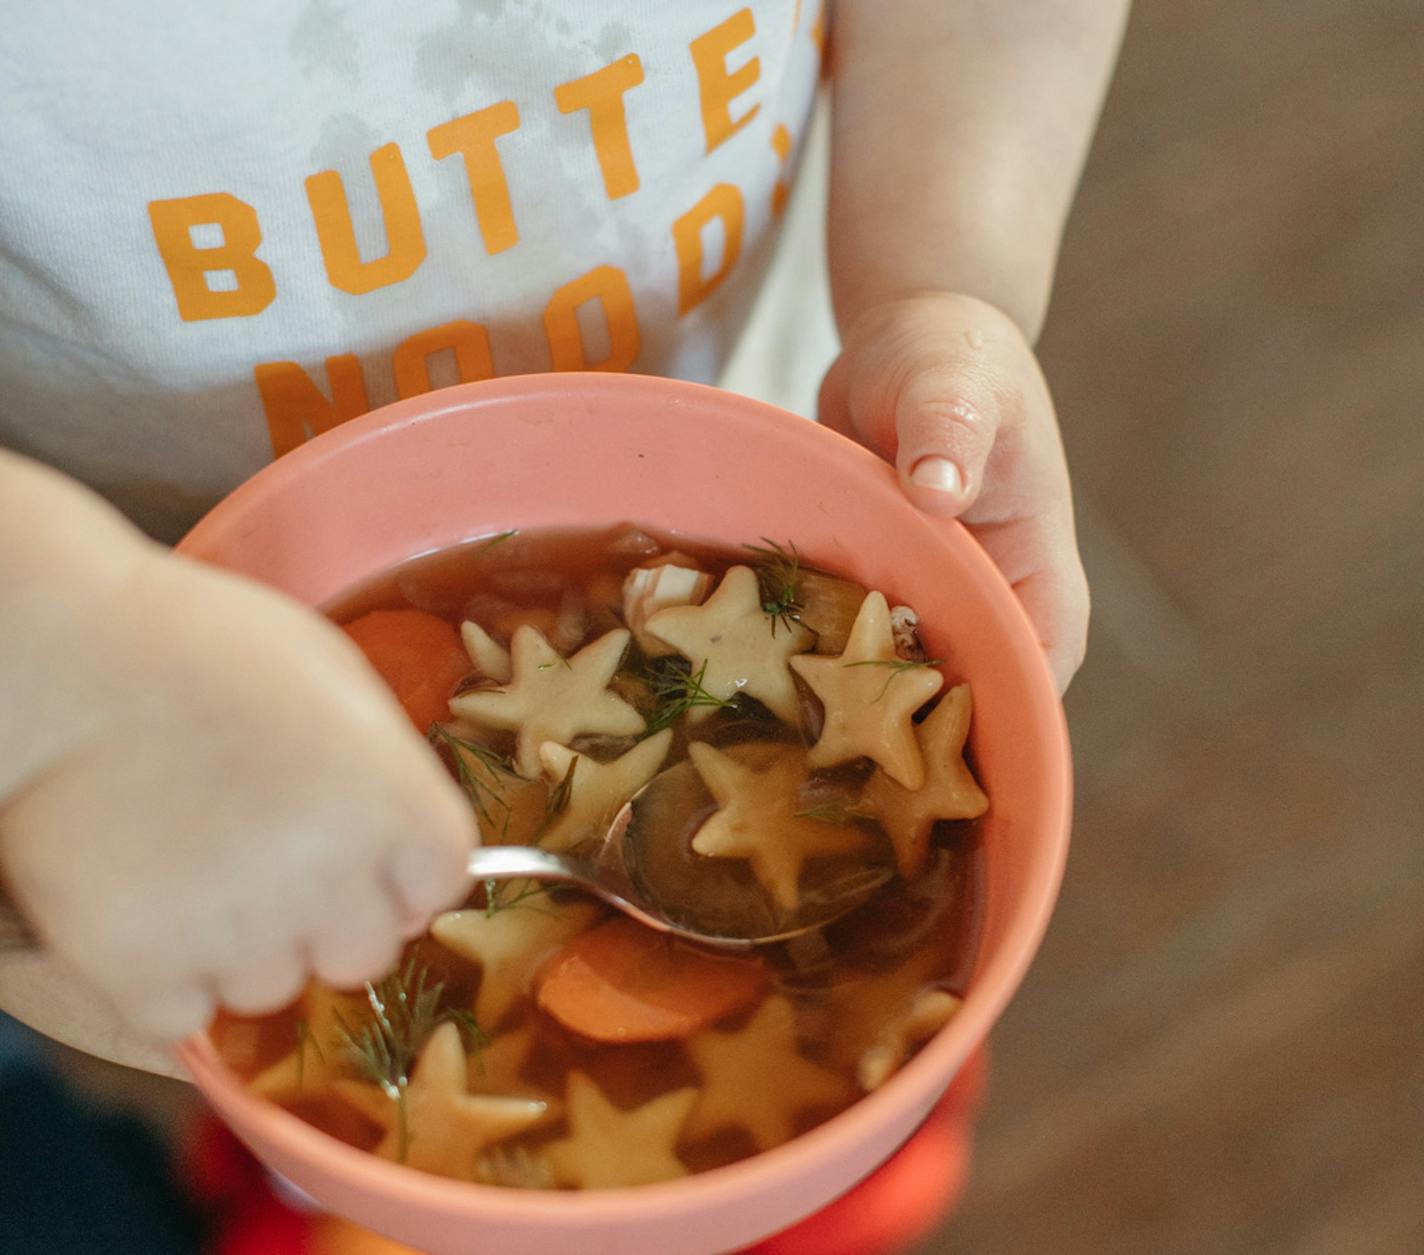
(314, 1062)
(597, 790)
(551, 698)
(744, 649)
(741, 1089)
(917, 1021)
(870, 695)
(949, 792)
(758, 819)
(609, 1147)
(491, 658)
(863, 1001)
(509, 944)
(444, 1127)
(498, 1067)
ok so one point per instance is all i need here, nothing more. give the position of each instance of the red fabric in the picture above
(898, 1204)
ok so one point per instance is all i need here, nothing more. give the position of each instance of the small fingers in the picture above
(171, 1014)
(361, 944)
(945, 435)
(429, 875)
(267, 982)
(1039, 556)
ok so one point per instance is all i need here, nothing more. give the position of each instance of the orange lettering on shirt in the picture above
(468, 341)
(295, 406)
(331, 211)
(607, 285)
(818, 27)
(718, 86)
(723, 202)
(188, 265)
(473, 137)
(781, 192)
(601, 93)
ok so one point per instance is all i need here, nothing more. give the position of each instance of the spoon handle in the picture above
(604, 881)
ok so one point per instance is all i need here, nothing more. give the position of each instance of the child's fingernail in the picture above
(938, 473)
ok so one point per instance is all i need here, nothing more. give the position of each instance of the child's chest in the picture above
(328, 206)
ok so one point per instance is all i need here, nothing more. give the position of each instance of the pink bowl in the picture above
(593, 450)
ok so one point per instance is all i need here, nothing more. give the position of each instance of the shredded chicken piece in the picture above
(905, 630)
(650, 589)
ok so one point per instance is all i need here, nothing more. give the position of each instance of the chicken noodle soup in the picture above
(761, 737)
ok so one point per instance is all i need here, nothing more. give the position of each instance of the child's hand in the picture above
(237, 803)
(947, 388)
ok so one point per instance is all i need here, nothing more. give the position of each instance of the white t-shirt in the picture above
(226, 226)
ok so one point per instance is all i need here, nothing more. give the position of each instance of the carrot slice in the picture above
(418, 655)
(621, 982)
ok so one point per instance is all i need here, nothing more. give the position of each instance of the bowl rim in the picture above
(994, 983)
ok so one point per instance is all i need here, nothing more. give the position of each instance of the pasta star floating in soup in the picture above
(439, 1125)
(608, 1146)
(736, 646)
(870, 694)
(749, 721)
(595, 791)
(951, 792)
(552, 698)
(499, 1067)
(761, 817)
(741, 1091)
(508, 939)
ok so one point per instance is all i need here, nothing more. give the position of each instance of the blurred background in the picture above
(1221, 1046)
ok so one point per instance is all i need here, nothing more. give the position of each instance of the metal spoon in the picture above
(610, 883)
(617, 873)
(606, 876)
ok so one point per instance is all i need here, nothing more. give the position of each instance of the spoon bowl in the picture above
(616, 874)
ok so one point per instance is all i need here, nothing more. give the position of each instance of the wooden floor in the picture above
(1221, 1047)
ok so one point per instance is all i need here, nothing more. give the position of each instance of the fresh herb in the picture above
(895, 666)
(778, 572)
(675, 691)
(305, 1039)
(484, 794)
(558, 799)
(498, 539)
(404, 1012)
(834, 812)
(503, 896)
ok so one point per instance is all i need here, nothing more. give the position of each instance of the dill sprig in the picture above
(497, 899)
(676, 690)
(778, 572)
(484, 795)
(896, 666)
(498, 539)
(305, 1039)
(834, 812)
(404, 1011)
(558, 798)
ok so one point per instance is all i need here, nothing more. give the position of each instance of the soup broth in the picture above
(535, 1039)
